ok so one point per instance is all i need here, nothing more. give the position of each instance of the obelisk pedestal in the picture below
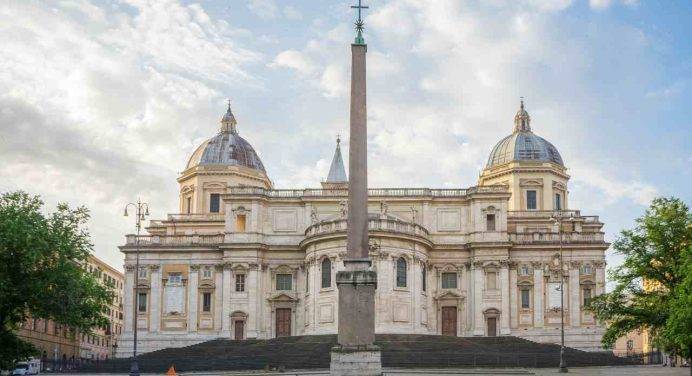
(356, 353)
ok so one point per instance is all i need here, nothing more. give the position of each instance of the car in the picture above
(30, 367)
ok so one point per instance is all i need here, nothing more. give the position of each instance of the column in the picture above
(155, 299)
(574, 302)
(538, 294)
(226, 304)
(218, 296)
(479, 323)
(253, 294)
(513, 299)
(504, 293)
(128, 299)
(600, 277)
(192, 295)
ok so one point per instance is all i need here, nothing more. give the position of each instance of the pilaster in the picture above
(479, 324)
(192, 295)
(538, 282)
(513, 299)
(253, 293)
(155, 299)
(129, 297)
(574, 303)
(226, 304)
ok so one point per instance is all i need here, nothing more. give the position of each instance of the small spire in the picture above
(337, 172)
(359, 23)
(228, 123)
(522, 120)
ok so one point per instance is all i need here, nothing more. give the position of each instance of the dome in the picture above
(226, 148)
(523, 145)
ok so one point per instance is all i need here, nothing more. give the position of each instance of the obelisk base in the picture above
(356, 353)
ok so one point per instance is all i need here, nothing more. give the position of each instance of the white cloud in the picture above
(292, 13)
(266, 9)
(294, 60)
(613, 186)
(333, 81)
(667, 92)
(605, 4)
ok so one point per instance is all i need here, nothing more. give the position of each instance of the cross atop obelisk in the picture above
(359, 22)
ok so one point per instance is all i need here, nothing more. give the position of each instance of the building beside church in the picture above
(242, 259)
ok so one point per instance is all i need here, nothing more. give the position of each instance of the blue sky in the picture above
(103, 101)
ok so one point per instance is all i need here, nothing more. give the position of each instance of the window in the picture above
(142, 302)
(142, 272)
(558, 201)
(524, 270)
(401, 272)
(206, 272)
(491, 281)
(188, 205)
(175, 278)
(214, 202)
(240, 282)
(307, 280)
(525, 298)
(284, 282)
(587, 295)
(206, 302)
(490, 222)
(586, 269)
(531, 200)
(424, 277)
(326, 273)
(449, 280)
(240, 223)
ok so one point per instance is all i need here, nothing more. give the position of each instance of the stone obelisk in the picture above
(356, 353)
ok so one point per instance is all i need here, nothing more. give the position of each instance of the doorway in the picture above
(283, 322)
(239, 330)
(449, 321)
(492, 326)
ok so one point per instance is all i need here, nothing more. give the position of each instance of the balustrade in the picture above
(554, 237)
(148, 240)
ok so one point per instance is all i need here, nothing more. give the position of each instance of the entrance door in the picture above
(492, 326)
(239, 329)
(449, 321)
(283, 322)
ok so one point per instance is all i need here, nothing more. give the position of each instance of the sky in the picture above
(102, 102)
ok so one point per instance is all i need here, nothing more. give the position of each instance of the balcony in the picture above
(174, 240)
(554, 237)
(373, 192)
(374, 224)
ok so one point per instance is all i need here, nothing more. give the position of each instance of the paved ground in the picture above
(583, 371)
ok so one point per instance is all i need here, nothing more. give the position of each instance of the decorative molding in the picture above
(537, 264)
(504, 263)
(154, 267)
(195, 267)
(575, 264)
(513, 265)
(130, 268)
(218, 267)
(599, 264)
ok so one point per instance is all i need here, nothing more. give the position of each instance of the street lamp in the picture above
(558, 218)
(141, 211)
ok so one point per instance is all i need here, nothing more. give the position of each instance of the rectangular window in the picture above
(214, 202)
(531, 200)
(284, 282)
(206, 302)
(424, 278)
(491, 280)
(490, 222)
(587, 296)
(240, 223)
(175, 278)
(449, 280)
(188, 205)
(142, 302)
(558, 201)
(525, 299)
(206, 273)
(307, 280)
(240, 282)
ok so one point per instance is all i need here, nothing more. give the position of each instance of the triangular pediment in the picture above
(282, 298)
(448, 295)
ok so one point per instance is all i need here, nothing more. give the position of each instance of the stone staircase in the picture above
(398, 351)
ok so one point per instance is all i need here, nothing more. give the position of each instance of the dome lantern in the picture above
(522, 120)
(228, 123)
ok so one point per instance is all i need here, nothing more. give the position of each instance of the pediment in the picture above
(283, 298)
(451, 295)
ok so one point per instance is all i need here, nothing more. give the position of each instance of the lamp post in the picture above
(141, 211)
(558, 218)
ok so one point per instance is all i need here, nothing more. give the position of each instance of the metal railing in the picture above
(148, 240)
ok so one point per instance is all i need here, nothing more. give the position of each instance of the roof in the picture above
(337, 173)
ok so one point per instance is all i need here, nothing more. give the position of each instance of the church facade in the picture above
(242, 259)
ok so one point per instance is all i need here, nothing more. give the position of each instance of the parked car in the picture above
(30, 367)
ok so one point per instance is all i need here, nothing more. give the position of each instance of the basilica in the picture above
(242, 259)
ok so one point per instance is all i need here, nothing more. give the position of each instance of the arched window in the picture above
(326, 273)
(424, 278)
(401, 272)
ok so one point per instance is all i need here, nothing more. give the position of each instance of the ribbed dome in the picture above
(523, 145)
(226, 148)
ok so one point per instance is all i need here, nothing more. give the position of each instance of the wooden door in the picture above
(449, 321)
(283, 322)
(492, 326)
(239, 329)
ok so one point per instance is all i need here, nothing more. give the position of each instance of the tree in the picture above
(42, 272)
(658, 255)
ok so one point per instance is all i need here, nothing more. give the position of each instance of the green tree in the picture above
(658, 252)
(42, 274)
